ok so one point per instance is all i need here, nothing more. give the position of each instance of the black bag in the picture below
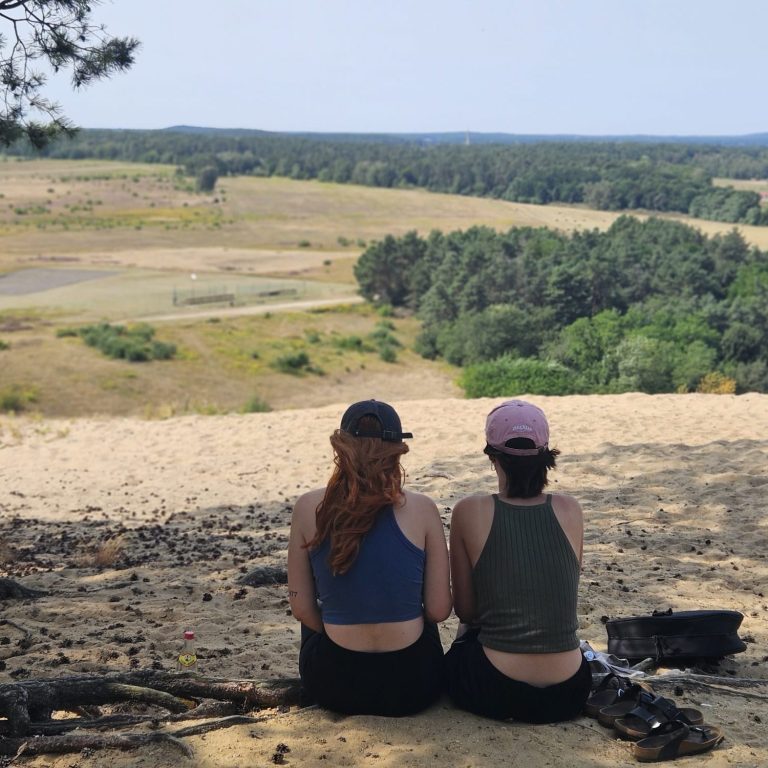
(674, 637)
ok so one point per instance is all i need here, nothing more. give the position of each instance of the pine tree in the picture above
(50, 35)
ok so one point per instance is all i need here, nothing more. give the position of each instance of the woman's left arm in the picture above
(571, 518)
(437, 584)
(301, 583)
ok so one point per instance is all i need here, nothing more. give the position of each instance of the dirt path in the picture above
(259, 309)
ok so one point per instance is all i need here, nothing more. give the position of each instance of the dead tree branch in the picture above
(28, 707)
(727, 685)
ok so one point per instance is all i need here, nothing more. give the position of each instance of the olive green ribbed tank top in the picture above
(526, 582)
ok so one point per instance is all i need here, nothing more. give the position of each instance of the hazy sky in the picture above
(516, 66)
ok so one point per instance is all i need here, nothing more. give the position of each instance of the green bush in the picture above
(207, 178)
(162, 350)
(355, 343)
(135, 344)
(385, 341)
(507, 376)
(387, 353)
(4, 345)
(716, 383)
(294, 363)
(256, 405)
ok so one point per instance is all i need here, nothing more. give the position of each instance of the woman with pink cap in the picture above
(515, 564)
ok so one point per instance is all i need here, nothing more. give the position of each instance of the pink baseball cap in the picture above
(515, 419)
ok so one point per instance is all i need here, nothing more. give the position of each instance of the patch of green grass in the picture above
(256, 405)
(353, 342)
(16, 398)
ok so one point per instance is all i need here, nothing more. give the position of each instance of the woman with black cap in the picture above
(515, 563)
(368, 576)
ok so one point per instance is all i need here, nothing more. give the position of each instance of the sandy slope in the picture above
(674, 490)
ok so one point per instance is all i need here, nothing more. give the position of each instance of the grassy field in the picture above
(145, 216)
(258, 242)
(750, 185)
(281, 360)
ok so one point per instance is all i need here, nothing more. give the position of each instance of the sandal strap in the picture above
(657, 711)
(614, 681)
(609, 681)
(679, 732)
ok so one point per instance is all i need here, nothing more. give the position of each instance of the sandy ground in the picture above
(257, 261)
(673, 487)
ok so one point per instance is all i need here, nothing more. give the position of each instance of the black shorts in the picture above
(392, 683)
(476, 685)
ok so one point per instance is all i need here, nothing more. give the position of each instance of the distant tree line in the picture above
(612, 176)
(653, 306)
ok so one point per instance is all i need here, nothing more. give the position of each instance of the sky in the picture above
(589, 67)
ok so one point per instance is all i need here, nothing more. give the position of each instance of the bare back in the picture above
(419, 521)
(470, 528)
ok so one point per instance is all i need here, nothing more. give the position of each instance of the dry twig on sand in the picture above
(728, 685)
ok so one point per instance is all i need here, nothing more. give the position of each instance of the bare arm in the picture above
(461, 565)
(437, 588)
(571, 518)
(301, 584)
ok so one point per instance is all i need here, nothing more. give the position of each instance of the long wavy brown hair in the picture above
(367, 476)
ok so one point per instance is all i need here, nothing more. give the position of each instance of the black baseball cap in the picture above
(391, 430)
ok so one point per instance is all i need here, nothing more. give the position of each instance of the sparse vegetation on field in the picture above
(221, 364)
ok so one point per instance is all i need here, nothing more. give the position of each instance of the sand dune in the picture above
(673, 487)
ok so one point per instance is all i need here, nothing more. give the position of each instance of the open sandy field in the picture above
(674, 492)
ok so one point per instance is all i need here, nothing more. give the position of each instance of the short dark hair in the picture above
(526, 475)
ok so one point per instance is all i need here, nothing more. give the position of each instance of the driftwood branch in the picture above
(29, 705)
(12, 590)
(214, 725)
(730, 685)
(43, 745)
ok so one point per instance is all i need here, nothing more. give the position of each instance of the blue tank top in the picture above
(385, 583)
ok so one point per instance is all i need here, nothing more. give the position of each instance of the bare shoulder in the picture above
(306, 505)
(567, 506)
(470, 505)
(565, 501)
(418, 502)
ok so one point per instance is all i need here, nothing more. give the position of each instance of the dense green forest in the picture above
(651, 306)
(604, 175)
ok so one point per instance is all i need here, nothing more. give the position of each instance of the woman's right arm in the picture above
(301, 583)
